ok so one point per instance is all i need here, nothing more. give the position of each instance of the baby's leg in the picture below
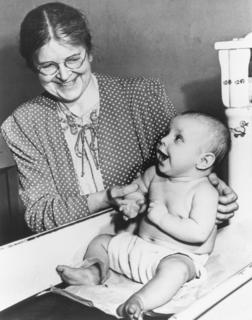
(171, 274)
(95, 267)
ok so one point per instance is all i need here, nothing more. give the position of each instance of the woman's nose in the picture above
(63, 72)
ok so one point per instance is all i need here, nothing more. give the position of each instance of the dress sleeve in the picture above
(46, 207)
(152, 112)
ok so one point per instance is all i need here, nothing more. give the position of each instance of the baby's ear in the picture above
(205, 161)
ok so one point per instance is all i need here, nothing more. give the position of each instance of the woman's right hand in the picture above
(116, 197)
(116, 194)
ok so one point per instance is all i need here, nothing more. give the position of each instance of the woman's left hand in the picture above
(227, 199)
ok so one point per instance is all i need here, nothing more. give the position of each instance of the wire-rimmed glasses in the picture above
(73, 62)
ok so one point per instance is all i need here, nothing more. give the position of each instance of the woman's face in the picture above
(66, 84)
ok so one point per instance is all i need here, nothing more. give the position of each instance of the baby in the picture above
(177, 232)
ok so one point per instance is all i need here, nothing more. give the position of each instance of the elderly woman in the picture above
(77, 144)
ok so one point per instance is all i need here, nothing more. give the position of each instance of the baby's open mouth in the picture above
(161, 155)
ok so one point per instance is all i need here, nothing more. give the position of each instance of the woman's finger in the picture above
(125, 218)
(213, 179)
(228, 208)
(227, 199)
(121, 191)
(227, 196)
(227, 191)
(140, 202)
(223, 217)
(220, 185)
(152, 204)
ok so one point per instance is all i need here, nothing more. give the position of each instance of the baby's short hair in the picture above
(219, 139)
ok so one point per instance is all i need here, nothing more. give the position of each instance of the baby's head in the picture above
(194, 144)
(215, 134)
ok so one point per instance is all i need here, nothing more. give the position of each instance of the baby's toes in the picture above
(134, 312)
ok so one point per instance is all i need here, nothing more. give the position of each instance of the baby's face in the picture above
(179, 150)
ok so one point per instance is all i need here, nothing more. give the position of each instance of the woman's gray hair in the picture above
(53, 20)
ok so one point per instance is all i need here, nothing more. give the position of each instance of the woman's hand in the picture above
(116, 196)
(227, 199)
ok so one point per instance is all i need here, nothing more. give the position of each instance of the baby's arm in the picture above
(200, 223)
(135, 203)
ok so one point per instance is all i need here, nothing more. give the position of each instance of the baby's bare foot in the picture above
(132, 308)
(79, 276)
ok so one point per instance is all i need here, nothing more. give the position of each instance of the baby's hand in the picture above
(133, 204)
(129, 209)
(156, 212)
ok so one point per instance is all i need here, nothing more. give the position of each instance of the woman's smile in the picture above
(68, 83)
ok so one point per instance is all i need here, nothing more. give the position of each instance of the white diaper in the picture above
(138, 259)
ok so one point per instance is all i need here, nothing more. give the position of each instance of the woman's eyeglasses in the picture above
(50, 68)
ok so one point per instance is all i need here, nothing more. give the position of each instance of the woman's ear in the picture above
(90, 57)
(205, 161)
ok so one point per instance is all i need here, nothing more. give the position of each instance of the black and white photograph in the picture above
(125, 159)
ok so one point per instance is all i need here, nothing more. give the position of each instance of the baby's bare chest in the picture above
(177, 197)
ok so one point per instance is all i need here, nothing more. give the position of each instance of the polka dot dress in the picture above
(134, 113)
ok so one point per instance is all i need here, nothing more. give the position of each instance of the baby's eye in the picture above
(179, 138)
